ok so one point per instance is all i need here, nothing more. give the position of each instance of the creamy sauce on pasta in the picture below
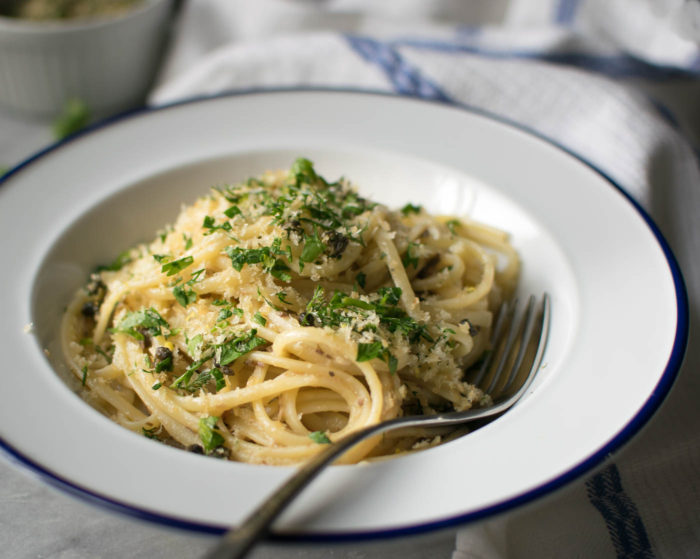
(280, 313)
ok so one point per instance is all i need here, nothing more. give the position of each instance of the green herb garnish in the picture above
(118, 263)
(452, 224)
(218, 378)
(137, 323)
(165, 360)
(319, 437)
(151, 433)
(409, 258)
(176, 266)
(313, 247)
(343, 309)
(282, 296)
(210, 224)
(233, 349)
(232, 212)
(194, 344)
(184, 295)
(411, 209)
(224, 314)
(376, 350)
(209, 433)
(267, 256)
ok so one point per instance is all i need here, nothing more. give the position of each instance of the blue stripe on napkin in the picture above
(405, 79)
(408, 80)
(695, 64)
(625, 526)
(613, 65)
(565, 11)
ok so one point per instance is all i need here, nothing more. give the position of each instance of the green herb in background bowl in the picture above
(41, 10)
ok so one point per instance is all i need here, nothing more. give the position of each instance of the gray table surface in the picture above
(39, 521)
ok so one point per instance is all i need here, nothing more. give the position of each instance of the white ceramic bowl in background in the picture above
(108, 63)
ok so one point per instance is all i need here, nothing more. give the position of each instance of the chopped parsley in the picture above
(210, 224)
(321, 218)
(218, 378)
(224, 313)
(194, 344)
(342, 309)
(376, 350)
(232, 212)
(107, 355)
(268, 256)
(409, 257)
(319, 437)
(303, 171)
(164, 360)
(223, 354)
(452, 224)
(209, 433)
(170, 268)
(184, 295)
(200, 380)
(282, 296)
(139, 323)
(313, 247)
(229, 351)
(184, 379)
(151, 433)
(367, 352)
(118, 263)
(163, 234)
(411, 209)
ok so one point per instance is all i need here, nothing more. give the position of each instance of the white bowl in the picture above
(108, 63)
(619, 309)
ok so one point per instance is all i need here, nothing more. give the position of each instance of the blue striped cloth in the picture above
(614, 81)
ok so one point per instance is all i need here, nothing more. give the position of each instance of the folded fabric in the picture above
(597, 98)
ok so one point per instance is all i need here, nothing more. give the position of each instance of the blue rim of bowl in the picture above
(651, 405)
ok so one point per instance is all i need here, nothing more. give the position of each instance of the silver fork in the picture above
(518, 343)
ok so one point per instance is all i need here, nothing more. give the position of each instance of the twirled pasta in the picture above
(283, 312)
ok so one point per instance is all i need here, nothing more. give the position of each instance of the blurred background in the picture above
(64, 63)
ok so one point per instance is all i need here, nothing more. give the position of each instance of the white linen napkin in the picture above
(613, 81)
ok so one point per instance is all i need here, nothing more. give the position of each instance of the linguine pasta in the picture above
(284, 312)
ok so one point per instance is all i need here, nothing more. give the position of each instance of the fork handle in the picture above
(238, 542)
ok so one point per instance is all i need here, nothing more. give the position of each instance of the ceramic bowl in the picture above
(619, 308)
(107, 63)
